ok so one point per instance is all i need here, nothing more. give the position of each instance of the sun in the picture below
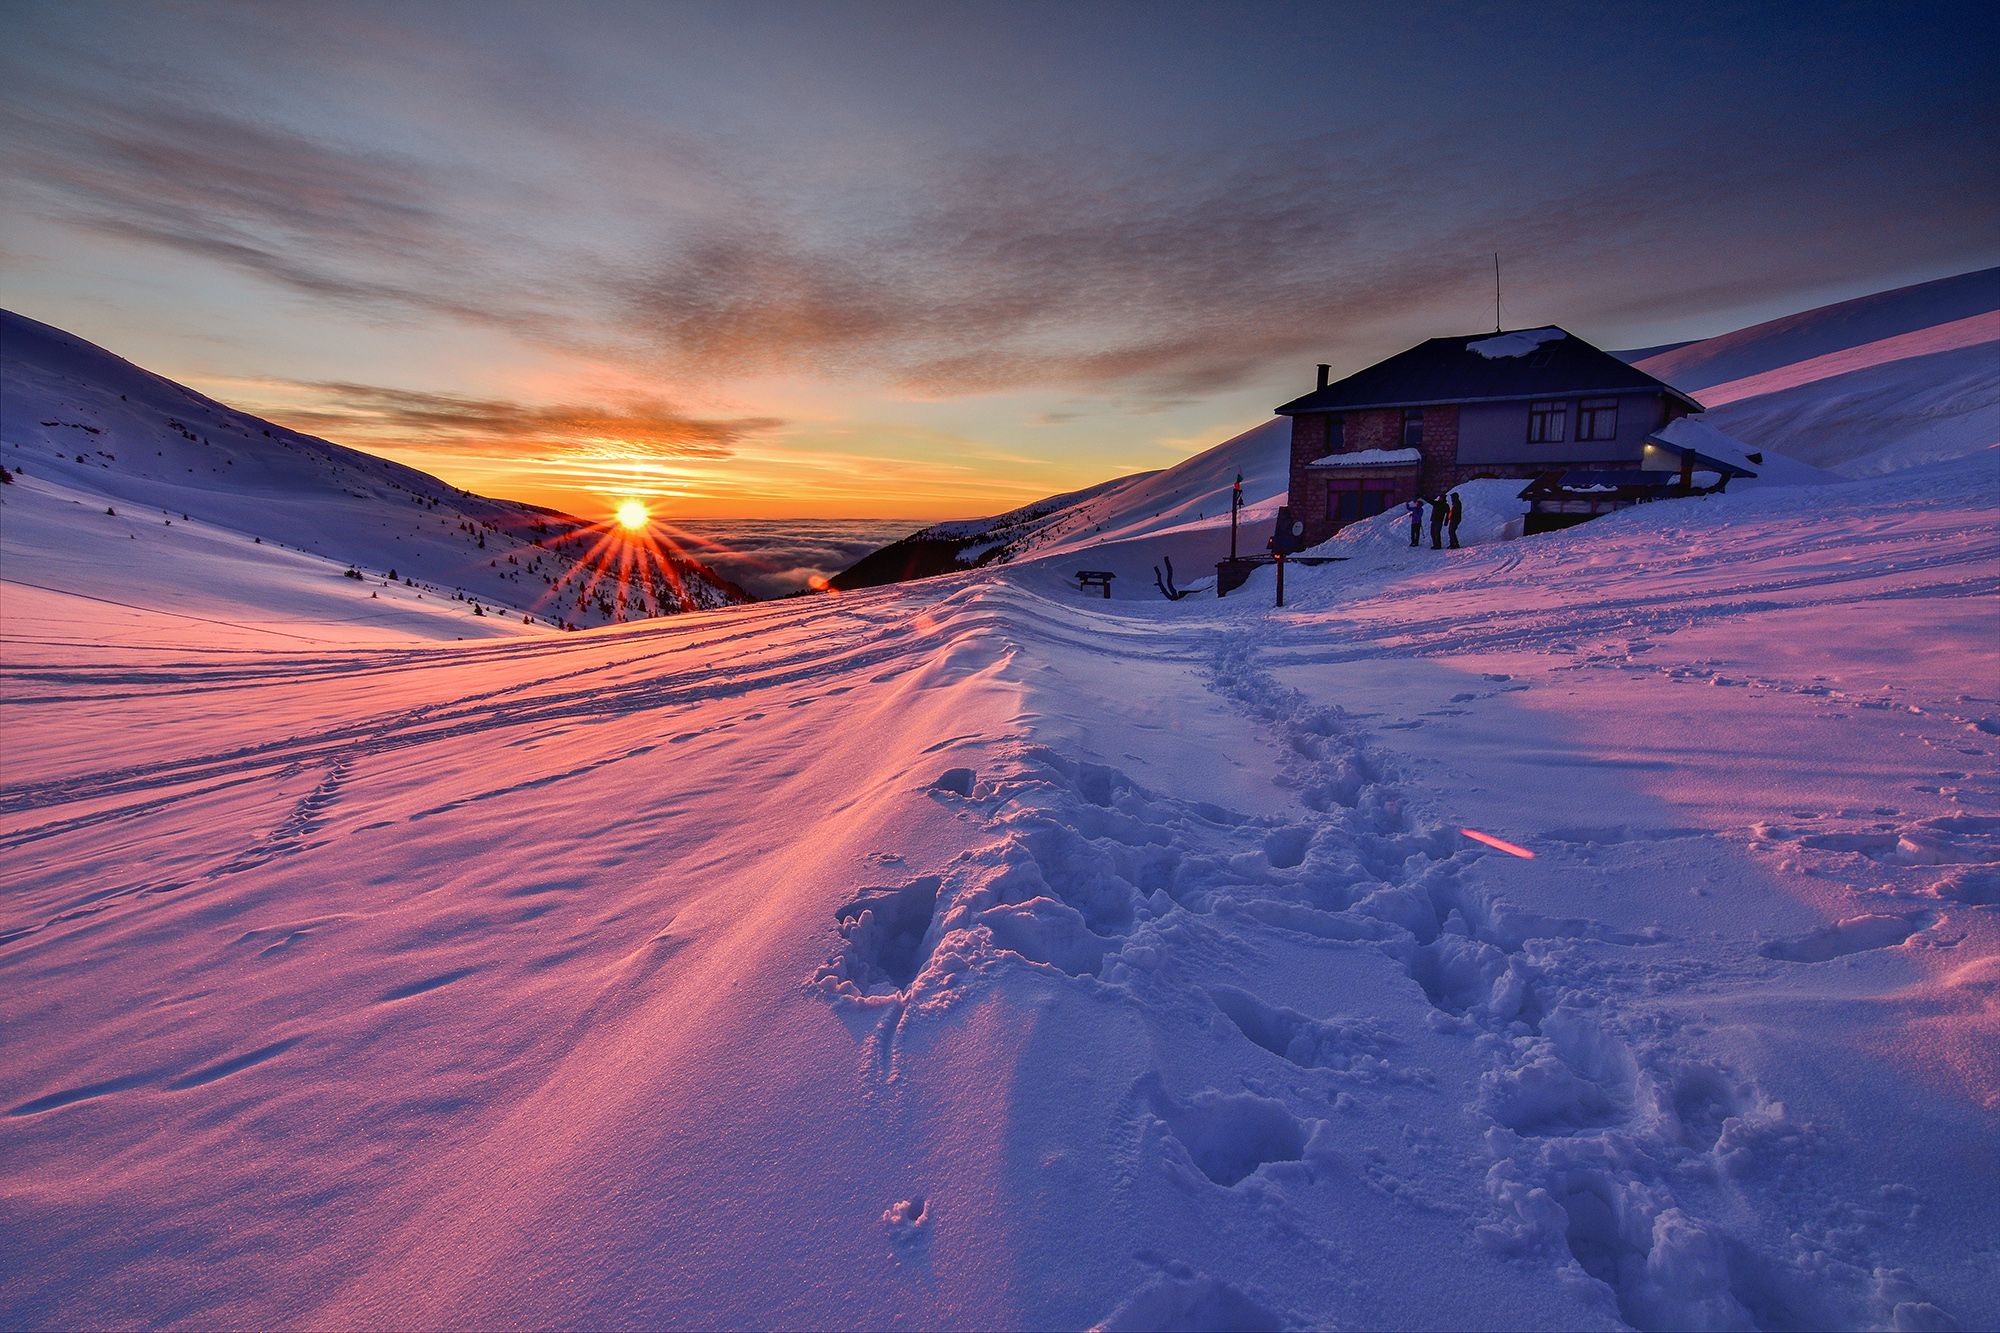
(632, 515)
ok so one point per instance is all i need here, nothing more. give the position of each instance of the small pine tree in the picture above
(109, 510)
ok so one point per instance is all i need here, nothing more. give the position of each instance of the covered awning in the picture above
(1692, 442)
(1603, 484)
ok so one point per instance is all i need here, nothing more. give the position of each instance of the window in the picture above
(1413, 428)
(1349, 500)
(1548, 422)
(1597, 419)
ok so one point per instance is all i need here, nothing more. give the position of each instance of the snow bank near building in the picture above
(1493, 510)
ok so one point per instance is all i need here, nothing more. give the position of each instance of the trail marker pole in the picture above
(1281, 578)
(1235, 503)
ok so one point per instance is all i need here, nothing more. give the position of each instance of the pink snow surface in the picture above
(977, 954)
(1972, 331)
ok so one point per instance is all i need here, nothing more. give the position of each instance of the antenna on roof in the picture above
(1496, 291)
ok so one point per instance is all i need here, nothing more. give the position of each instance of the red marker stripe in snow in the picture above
(1492, 841)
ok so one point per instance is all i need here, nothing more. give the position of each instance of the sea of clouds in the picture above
(771, 557)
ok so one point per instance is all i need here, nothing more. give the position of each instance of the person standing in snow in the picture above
(1438, 507)
(1415, 509)
(1457, 513)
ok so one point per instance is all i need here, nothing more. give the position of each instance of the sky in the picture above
(937, 260)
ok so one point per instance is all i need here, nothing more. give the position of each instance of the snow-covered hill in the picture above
(1126, 525)
(1870, 385)
(1864, 386)
(972, 953)
(82, 424)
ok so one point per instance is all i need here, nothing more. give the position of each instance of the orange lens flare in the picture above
(1501, 843)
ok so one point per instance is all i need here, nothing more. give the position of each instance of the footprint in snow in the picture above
(907, 1222)
(1856, 934)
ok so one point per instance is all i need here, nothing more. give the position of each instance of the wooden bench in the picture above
(1087, 579)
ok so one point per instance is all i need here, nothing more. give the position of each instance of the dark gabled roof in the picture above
(1443, 371)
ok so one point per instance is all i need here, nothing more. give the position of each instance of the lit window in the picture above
(1548, 423)
(1597, 419)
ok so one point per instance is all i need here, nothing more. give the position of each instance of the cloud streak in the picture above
(365, 229)
(640, 446)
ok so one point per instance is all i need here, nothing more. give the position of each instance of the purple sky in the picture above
(933, 260)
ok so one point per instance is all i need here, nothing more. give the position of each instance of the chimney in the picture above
(1323, 368)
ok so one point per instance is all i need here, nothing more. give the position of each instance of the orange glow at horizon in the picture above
(1502, 844)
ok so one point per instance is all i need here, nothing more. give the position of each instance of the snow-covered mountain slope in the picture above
(1892, 380)
(1181, 511)
(1870, 385)
(973, 953)
(182, 582)
(93, 425)
(961, 544)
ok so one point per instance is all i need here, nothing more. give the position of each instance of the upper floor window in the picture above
(1548, 422)
(1413, 428)
(1597, 419)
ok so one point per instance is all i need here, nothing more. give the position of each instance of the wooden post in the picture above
(1281, 578)
(1235, 503)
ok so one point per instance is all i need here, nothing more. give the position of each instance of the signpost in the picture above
(1285, 540)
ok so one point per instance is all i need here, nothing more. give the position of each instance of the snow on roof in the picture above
(1694, 434)
(1370, 458)
(1518, 343)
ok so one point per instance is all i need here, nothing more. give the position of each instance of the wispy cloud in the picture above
(362, 228)
(634, 430)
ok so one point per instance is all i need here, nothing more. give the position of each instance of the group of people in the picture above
(1446, 512)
